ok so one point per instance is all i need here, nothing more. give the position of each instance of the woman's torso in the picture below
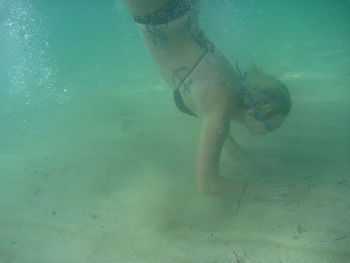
(189, 62)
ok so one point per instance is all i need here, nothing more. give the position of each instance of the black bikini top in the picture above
(180, 104)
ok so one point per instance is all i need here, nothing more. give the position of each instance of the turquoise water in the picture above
(97, 164)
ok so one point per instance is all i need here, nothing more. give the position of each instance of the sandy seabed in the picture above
(108, 179)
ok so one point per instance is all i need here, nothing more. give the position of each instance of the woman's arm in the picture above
(214, 132)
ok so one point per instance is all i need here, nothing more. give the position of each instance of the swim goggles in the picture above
(259, 117)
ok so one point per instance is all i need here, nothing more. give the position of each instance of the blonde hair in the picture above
(268, 94)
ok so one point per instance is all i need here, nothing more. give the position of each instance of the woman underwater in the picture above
(205, 85)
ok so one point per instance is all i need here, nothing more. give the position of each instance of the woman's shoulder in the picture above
(214, 83)
(213, 99)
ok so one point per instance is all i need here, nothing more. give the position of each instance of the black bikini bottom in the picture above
(171, 11)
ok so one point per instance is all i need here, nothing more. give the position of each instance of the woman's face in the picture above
(260, 125)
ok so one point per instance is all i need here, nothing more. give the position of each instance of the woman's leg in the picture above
(144, 7)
